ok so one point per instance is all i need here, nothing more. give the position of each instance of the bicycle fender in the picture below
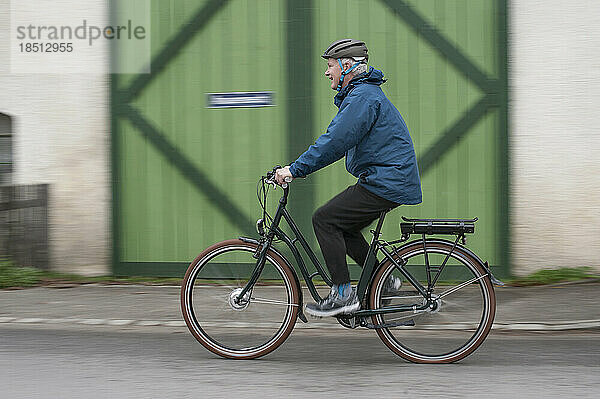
(493, 279)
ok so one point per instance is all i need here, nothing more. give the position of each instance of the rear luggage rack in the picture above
(458, 227)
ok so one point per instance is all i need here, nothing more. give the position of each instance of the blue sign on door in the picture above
(240, 99)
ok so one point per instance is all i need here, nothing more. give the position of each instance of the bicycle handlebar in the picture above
(271, 177)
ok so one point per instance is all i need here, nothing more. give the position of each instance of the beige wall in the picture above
(61, 127)
(555, 138)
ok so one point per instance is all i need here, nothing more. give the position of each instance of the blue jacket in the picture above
(370, 131)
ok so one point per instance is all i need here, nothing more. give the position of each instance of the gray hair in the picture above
(360, 68)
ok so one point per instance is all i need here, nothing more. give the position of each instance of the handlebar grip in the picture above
(287, 180)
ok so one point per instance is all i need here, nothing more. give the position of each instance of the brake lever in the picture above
(270, 180)
(275, 184)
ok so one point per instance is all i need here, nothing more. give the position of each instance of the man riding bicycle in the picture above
(371, 133)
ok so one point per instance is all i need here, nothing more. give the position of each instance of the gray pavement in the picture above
(544, 308)
(40, 361)
(102, 341)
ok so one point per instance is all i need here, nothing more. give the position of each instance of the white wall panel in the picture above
(61, 127)
(555, 135)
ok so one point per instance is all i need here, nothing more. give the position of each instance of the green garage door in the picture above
(185, 174)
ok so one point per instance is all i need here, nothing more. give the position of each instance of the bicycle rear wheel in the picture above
(463, 313)
(239, 329)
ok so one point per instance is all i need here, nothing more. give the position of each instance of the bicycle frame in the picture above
(367, 270)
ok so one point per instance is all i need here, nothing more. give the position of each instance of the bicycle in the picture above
(441, 314)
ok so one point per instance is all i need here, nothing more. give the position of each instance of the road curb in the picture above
(525, 327)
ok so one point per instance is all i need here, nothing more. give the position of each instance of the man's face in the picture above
(333, 72)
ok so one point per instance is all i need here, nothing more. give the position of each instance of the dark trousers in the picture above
(338, 226)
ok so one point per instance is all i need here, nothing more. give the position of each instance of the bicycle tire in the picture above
(251, 328)
(451, 331)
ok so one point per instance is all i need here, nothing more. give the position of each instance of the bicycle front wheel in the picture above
(232, 326)
(463, 313)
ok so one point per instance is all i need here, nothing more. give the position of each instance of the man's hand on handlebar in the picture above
(283, 175)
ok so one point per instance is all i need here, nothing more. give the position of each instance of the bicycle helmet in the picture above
(347, 48)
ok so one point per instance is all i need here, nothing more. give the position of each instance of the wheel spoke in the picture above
(271, 301)
(458, 287)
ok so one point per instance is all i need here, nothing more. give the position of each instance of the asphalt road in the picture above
(105, 362)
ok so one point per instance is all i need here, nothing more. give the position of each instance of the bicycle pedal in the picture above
(302, 317)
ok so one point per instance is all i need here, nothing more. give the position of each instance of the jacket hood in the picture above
(372, 76)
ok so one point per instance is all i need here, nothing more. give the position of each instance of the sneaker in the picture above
(392, 286)
(334, 304)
